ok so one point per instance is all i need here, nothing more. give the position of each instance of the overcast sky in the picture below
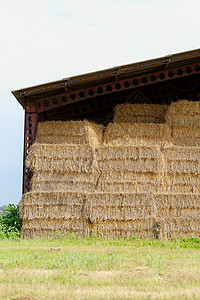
(47, 40)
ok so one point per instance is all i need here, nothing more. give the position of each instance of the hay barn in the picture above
(114, 152)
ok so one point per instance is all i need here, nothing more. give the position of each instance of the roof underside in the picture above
(109, 75)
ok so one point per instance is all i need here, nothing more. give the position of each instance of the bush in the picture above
(10, 222)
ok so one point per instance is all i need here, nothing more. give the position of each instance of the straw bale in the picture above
(182, 141)
(70, 132)
(182, 167)
(66, 205)
(110, 214)
(71, 181)
(137, 134)
(185, 183)
(175, 205)
(139, 113)
(129, 177)
(182, 160)
(178, 214)
(50, 227)
(63, 158)
(113, 229)
(83, 212)
(183, 113)
(130, 165)
(124, 152)
(119, 206)
(124, 181)
(68, 186)
(58, 176)
(130, 187)
(182, 153)
(186, 136)
(35, 204)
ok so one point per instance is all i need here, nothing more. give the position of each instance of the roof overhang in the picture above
(89, 80)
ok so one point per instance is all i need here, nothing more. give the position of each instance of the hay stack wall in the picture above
(184, 119)
(128, 178)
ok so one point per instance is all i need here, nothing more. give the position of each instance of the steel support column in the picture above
(30, 124)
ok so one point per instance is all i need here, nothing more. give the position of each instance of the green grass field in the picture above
(92, 268)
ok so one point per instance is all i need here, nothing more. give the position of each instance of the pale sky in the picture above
(47, 40)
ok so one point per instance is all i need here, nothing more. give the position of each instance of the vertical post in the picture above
(30, 124)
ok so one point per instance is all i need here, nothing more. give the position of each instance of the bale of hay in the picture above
(51, 227)
(181, 153)
(186, 136)
(139, 113)
(113, 229)
(83, 213)
(130, 165)
(124, 152)
(183, 113)
(70, 132)
(131, 187)
(182, 160)
(110, 214)
(137, 134)
(130, 169)
(62, 158)
(182, 169)
(129, 177)
(121, 214)
(69, 205)
(46, 213)
(69, 181)
(178, 214)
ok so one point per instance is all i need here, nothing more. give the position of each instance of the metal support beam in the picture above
(30, 124)
(67, 98)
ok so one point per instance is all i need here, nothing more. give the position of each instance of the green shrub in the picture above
(10, 222)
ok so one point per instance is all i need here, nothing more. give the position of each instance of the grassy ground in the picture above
(92, 268)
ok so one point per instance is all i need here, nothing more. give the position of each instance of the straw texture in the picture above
(71, 132)
(186, 136)
(183, 113)
(68, 181)
(110, 214)
(177, 214)
(62, 158)
(139, 113)
(182, 169)
(137, 134)
(85, 213)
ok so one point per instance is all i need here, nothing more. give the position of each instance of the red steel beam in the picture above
(66, 98)
(30, 124)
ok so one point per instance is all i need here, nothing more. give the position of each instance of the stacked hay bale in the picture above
(137, 134)
(140, 113)
(130, 159)
(130, 169)
(176, 215)
(71, 132)
(63, 166)
(182, 159)
(132, 180)
(182, 169)
(177, 211)
(184, 119)
(107, 214)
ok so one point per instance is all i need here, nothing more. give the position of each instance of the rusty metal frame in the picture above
(54, 102)
(30, 125)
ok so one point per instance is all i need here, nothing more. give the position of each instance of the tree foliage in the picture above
(10, 222)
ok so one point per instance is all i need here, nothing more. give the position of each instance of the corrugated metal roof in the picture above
(108, 75)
